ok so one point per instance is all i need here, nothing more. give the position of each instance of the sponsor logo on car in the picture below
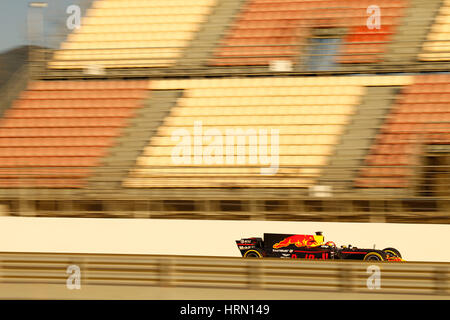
(299, 240)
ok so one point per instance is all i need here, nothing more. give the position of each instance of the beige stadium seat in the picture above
(301, 130)
(139, 20)
(99, 45)
(87, 57)
(274, 91)
(130, 36)
(218, 182)
(257, 111)
(293, 139)
(437, 46)
(284, 160)
(149, 11)
(305, 150)
(283, 150)
(147, 3)
(218, 171)
(125, 28)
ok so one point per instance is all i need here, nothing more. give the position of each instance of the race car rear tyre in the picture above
(253, 253)
(392, 252)
(375, 256)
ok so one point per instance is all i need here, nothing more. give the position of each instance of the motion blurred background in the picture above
(93, 93)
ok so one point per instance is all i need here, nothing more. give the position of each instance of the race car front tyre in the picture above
(375, 256)
(254, 253)
(392, 252)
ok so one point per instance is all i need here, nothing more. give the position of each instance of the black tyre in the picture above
(375, 256)
(253, 253)
(392, 252)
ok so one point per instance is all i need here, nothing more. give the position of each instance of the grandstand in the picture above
(361, 113)
(275, 29)
(419, 119)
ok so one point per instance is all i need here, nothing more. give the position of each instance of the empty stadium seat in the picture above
(437, 45)
(420, 116)
(129, 34)
(56, 131)
(309, 114)
(362, 45)
(277, 30)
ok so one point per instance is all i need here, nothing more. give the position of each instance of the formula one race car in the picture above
(301, 246)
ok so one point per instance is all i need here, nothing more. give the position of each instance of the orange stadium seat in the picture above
(62, 126)
(294, 21)
(57, 142)
(371, 43)
(70, 113)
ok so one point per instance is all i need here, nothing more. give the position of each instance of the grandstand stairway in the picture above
(134, 139)
(407, 41)
(13, 87)
(201, 48)
(352, 150)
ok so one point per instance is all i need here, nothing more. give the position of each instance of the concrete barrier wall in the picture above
(417, 242)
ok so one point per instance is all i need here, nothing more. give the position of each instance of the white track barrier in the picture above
(417, 242)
